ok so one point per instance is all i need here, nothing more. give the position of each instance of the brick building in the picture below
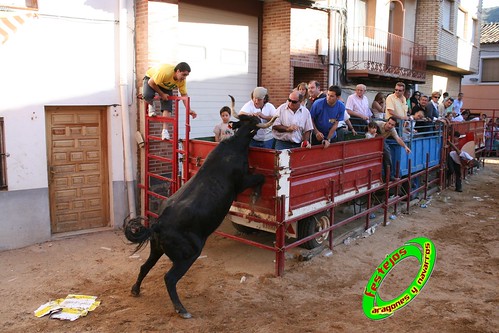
(235, 45)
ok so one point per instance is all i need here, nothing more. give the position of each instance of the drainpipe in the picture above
(337, 40)
(125, 112)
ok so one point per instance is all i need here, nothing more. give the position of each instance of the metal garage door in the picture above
(220, 46)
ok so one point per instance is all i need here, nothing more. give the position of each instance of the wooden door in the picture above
(77, 167)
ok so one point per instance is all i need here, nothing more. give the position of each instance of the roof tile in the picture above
(490, 33)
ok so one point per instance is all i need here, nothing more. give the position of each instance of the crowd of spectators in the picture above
(334, 120)
(311, 116)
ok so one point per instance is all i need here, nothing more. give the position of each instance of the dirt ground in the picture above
(231, 288)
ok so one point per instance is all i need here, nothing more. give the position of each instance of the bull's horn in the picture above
(232, 106)
(270, 123)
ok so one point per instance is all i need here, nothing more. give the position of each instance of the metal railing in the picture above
(381, 53)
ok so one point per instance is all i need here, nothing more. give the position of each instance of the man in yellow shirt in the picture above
(162, 79)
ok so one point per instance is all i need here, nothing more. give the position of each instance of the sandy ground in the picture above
(320, 295)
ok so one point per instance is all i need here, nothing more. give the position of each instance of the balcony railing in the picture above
(372, 52)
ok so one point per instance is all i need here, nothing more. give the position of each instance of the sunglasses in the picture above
(292, 101)
(399, 90)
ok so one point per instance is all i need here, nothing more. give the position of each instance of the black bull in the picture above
(198, 208)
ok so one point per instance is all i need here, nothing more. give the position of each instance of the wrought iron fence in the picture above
(379, 52)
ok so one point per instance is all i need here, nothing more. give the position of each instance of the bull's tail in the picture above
(136, 232)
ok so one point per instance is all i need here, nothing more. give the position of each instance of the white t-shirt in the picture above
(457, 105)
(342, 123)
(263, 134)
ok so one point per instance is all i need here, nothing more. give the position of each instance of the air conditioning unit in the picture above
(322, 46)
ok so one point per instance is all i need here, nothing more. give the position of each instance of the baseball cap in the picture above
(259, 92)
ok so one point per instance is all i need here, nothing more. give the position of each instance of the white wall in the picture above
(67, 55)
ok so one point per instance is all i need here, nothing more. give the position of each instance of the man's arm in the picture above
(458, 151)
(318, 134)
(330, 134)
(356, 114)
(155, 87)
(307, 136)
(283, 128)
(395, 115)
(402, 144)
(350, 126)
(192, 112)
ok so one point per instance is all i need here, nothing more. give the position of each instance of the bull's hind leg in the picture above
(154, 255)
(178, 270)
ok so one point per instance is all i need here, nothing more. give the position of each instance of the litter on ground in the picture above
(70, 308)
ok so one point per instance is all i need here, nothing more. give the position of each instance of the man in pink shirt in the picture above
(357, 104)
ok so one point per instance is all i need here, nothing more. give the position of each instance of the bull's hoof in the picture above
(135, 290)
(184, 315)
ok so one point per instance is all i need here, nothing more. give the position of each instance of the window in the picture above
(461, 24)
(3, 160)
(360, 13)
(490, 70)
(473, 32)
(447, 15)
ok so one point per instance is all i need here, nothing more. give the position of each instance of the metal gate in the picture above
(164, 159)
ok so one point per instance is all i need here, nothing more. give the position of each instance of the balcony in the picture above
(375, 54)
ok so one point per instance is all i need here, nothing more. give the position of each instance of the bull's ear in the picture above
(235, 124)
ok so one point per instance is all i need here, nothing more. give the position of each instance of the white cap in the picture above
(259, 92)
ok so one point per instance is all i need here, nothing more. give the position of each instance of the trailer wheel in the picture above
(244, 229)
(311, 225)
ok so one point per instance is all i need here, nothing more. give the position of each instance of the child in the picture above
(223, 131)
(372, 130)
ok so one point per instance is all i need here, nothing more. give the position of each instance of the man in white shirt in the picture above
(294, 125)
(258, 106)
(458, 104)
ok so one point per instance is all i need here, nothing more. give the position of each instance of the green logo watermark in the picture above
(424, 251)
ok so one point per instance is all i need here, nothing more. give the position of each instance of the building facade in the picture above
(67, 97)
(481, 90)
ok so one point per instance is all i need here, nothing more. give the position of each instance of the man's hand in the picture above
(319, 136)
(164, 96)
(407, 150)
(325, 143)
(306, 144)
(193, 114)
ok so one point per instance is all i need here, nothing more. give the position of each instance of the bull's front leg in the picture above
(255, 182)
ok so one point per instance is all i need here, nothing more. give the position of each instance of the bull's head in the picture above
(259, 125)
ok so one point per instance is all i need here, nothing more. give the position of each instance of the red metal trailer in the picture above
(301, 190)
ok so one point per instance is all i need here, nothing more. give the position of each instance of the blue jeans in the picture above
(280, 145)
(262, 144)
(148, 95)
